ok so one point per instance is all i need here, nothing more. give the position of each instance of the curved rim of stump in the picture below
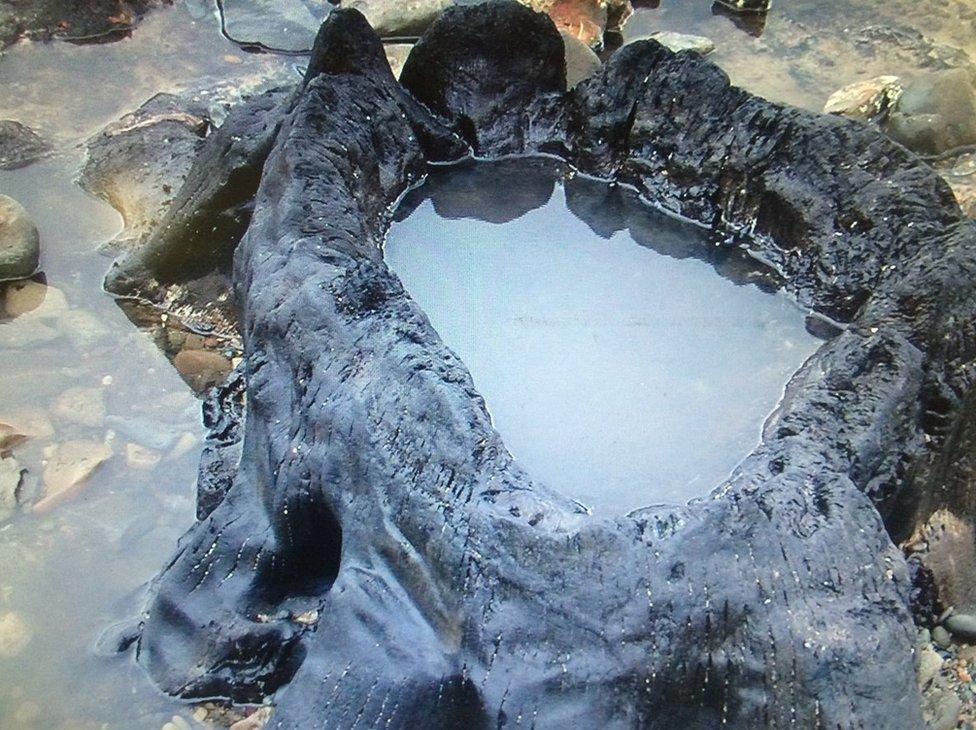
(373, 556)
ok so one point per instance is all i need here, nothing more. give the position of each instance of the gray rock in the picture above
(936, 112)
(961, 626)
(212, 208)
(928, 663)
(19, 145)
(941, 710)
(19, 241)
(393, 18)
(581, 61)
(941, 637)
(138, 163)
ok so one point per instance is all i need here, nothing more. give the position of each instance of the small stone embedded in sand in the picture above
(15, 635)
(746, 6)
(68, 467)
(19, 241)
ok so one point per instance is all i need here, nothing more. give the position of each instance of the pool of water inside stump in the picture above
(626, 358)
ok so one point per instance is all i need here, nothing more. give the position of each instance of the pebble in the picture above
(15, 635)
(19, 241)
(67, 469)
(941, 637)
(177, 723)
(202, 369)
(184, 445)
(929, 662)
(961, 626)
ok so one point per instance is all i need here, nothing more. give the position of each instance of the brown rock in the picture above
(68, 467)
(951, 556)
(23, 297)
(202, 369)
